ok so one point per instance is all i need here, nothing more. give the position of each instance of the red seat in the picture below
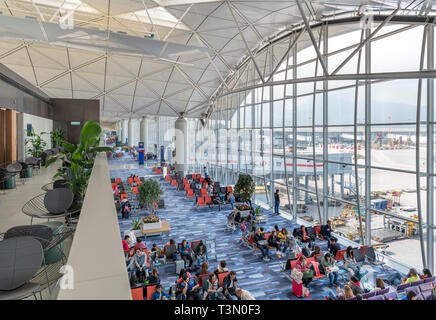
(189, 193)
(200, 201)
(123, 196)
(168, 178)
(363, 248)
(318, 232)
(208, 200)
(137, 293)
(130, 180)
(135, 190)
(118, 180)
(185, 181)
(221, 277)
(154, 169)
(200, 278)
(150, 290)
(230, 189)
(340, 254)
(174, 182)
(203, 192)
(168, 171)
(201, 180)
(114, 186)
(136, 179)
(159, 171)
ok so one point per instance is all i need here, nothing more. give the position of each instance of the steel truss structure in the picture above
(257, 119)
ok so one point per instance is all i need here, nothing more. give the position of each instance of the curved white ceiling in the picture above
(134, 86)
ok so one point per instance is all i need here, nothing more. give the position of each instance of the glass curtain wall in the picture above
(356, 150)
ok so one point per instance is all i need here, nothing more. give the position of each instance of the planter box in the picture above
(137, 233)
(155, 225)
(244, 213)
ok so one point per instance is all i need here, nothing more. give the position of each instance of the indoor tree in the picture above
(78, 160)
(149, 193)
(57, 137)
(36, 142)
(245, 186)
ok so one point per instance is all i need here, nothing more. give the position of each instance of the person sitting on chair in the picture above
(222, 267)
(200, 253)
(302, 235)
(274, 241)
(154, 277)
(141, 265)
(260, 241)
(330, 269)
(306, 269)
(190, 288)
(283, 236)
(326, 232)
(159, 294)
(230, 284)
(185, 252)
(212, 289)
(334, 246)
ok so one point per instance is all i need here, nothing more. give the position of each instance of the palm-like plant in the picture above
(78, 160)
(37, 144)
(245, 186)
(57, 137)
(149, 192)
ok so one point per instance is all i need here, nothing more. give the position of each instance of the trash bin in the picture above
(9, 183)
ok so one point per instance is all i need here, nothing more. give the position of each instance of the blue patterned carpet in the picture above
(263, 279)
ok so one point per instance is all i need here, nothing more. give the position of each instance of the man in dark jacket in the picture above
(260, 241)
(200, 253)
(326, 232)
(334, 246)
(230, 284)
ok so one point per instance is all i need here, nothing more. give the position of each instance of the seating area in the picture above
(238, 249)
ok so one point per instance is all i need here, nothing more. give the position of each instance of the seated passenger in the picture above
(262, 244)
(284, 236)
(141, 265)
(201, 253)
(154, 277)
(426, 273)
(244, 294)
(316, 251)
(185, 252)
(222, 267)
(326, 231)
(190, 289)
(334, 247)
(274, 241)
(379, 284)
(212, 289)
(350, 262)
(204, 269)
(130, 263)
(302, 235)
(139, 244)
(396, 279)
(330, 269)
(305, 269)
(125, 244)
(355, 285)
(159, 294)
(230, 284)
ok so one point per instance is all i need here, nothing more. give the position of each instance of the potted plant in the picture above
(245, 187)
(37, 144)
(57, 137)
(149, 193)
(137, 227)
(78, 160)
(151, 222)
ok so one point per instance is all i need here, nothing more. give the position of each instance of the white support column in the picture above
(119, 130)
(144, 132)
(130, 132)
(124, 131)
(181, 158)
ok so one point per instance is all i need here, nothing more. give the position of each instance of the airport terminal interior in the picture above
(217, 150)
